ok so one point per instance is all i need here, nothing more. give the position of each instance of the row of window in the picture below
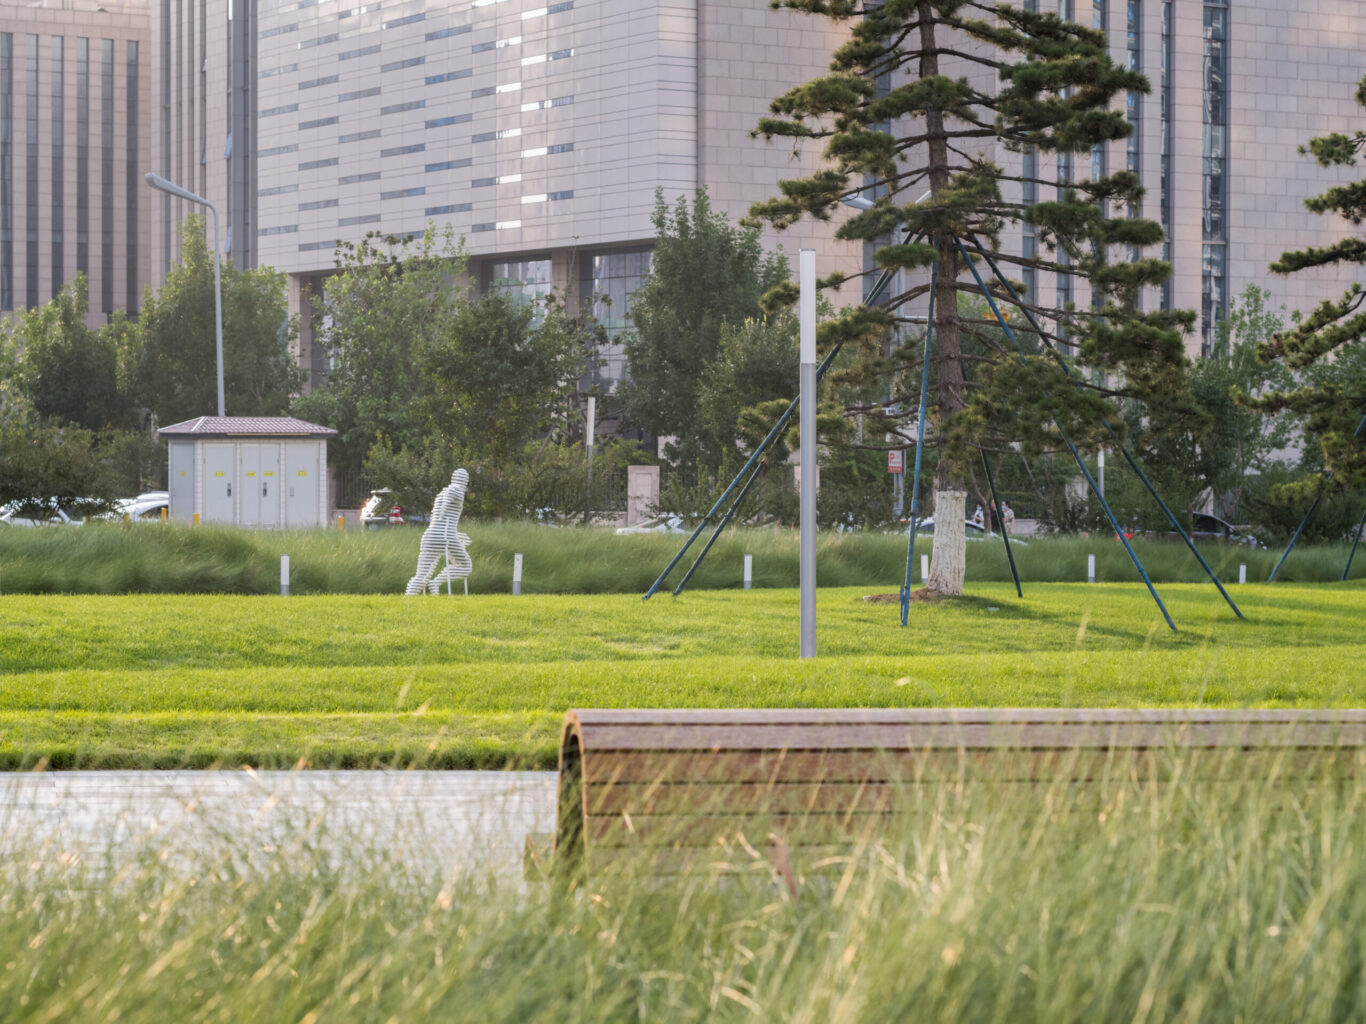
(431, 168)
(407, 193)
(430, 37)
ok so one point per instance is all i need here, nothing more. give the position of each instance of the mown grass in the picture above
(169, 681)
(144, 558)
(1181, 902)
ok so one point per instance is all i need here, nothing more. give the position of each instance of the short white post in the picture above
(284, 575)
(517, 573)
(1242, 572)
(1100, 472)
(924, 568)
(749, 571)
(1090, 568)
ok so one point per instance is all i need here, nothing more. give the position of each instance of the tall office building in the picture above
(537, 130)
(74, 96)
(1237, 87)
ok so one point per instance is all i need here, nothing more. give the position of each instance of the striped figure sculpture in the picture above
(443, 539)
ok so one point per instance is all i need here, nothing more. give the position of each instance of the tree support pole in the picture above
(1123, 448)
(919, 447)
(873, 296)
(1081, 463)
(1305, 521)
(758, 470)
(1360, 526)
(1001, 519)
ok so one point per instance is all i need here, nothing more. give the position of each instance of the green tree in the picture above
(704, 273)
(500, 374)
(1332, 404)
(176, 374)
(69, 372)
(1034, 86)
(391, 299)
(45, 466)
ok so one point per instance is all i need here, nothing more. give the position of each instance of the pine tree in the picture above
(981, 107)
(1333, 404)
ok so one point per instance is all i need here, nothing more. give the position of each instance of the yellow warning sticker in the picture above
(303, 472)
(251, 474)
(269, 473)
(219, 473)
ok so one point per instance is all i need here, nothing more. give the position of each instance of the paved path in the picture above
(433, 819)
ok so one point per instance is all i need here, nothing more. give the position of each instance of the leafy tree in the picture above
(755, 364)
(391, 299)
(499, 375)
(1238, 443)
(895, 123)
(45, 466)
(69, 372)
(1331, 403)
(176, 375)
(704, 273)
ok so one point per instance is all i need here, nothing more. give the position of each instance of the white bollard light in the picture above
(1242, 572)
(284, 575)
(517, 573)
(1090, 568)
(924, 568)
(749, 571)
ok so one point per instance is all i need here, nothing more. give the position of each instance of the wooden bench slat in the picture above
(661, 787)
(717, 736)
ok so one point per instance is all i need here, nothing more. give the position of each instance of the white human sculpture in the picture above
(443, 539)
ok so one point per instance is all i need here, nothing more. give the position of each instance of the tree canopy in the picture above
(942, 112)
(176, 373)
(1333, 404)
(705, 274)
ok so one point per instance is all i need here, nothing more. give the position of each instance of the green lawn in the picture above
(168, 681)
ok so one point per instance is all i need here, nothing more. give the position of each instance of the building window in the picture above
(7, 170)
(31, 175)
(1214, 178)
(436, 211)
(57, 230)
(133, 180)
(526, 280)
(83, 156)
(313, 165)
(607, 280)
(1167, 100)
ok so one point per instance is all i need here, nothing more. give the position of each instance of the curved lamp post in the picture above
(170, 187)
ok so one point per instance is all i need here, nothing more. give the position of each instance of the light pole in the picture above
(170, 187)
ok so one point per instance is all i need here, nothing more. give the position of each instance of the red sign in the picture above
(894, 462)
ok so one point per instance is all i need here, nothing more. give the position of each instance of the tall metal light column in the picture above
(807, 309)
(162, 185)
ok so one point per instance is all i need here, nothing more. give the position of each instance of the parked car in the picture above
(659, 524)
(975, 531)
(10, 516)
(145, 508)
(1208, 527)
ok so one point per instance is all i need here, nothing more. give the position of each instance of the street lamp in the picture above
(170, 187)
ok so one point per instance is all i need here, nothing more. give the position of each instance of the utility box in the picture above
(257, 472)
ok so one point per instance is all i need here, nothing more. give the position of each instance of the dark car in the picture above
(1207, 527)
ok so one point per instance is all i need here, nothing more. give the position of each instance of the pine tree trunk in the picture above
(948, 562)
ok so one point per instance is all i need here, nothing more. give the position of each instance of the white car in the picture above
(9, 516)
(659, 524)
(145, 508)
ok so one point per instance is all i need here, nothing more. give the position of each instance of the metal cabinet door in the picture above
(301, 484)
(219, 481)
(260, 485)
(181, 482)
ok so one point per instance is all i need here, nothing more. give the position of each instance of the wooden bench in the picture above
(671, 785)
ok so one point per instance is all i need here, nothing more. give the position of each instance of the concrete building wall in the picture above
(74, 96)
